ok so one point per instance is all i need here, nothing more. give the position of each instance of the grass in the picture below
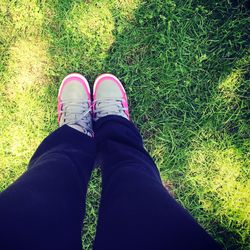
(185, 66)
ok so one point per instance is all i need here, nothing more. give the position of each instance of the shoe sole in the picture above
(68, 78)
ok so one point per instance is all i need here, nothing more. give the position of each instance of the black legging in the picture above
(44, 208)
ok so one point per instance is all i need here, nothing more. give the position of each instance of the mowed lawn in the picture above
(185, 66)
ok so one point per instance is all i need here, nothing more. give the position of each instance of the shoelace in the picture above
(108, 106)
(76, 112)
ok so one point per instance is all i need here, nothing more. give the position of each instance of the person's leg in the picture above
(136, 211)
(44, 208)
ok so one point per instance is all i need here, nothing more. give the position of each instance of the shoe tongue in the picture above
(76, 108)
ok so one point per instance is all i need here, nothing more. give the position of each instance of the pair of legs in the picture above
(44, 208)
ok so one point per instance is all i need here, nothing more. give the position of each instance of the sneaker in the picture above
(74, 104)
(109, 97)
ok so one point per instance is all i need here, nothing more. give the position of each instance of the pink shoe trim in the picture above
(66, 80)
(108, 76)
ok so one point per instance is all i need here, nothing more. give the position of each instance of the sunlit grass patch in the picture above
(22, 130)
(23, 89)
(229, 104)
(230, 84)
(19, 140)
(125, 8)
(86, 37)
(25, 17)
(219, 173)
(94, 22)
(27, 65)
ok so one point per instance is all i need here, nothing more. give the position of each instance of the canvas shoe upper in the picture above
(74, 104)
(109, 97)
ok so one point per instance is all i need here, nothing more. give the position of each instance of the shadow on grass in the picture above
(172, 58)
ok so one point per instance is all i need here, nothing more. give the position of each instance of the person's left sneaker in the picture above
(74, 104)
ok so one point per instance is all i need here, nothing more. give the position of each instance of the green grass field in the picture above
(185, 66)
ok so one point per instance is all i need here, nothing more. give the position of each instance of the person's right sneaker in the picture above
(109, 97)
(74, 104)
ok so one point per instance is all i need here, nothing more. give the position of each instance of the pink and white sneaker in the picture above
(109, 97)
(74, 104)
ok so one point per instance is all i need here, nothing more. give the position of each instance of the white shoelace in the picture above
(109, 107)
(77, 113)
